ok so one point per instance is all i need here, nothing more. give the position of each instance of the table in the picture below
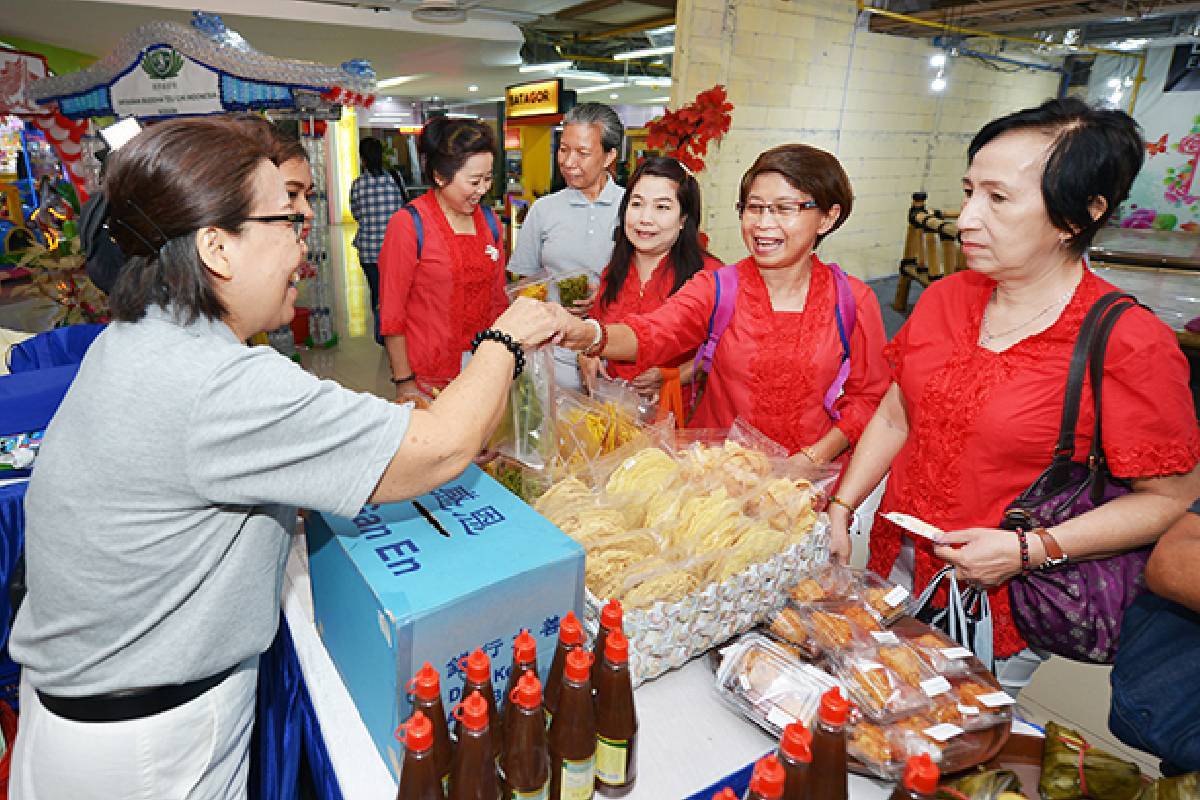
(688, 739)
(1147, 248)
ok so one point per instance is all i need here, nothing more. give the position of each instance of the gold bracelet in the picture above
(811, 455)
(837, 501)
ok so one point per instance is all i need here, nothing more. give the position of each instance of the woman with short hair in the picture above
(979, 369)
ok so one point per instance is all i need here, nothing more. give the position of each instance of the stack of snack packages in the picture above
(572, 740)
(913, 690)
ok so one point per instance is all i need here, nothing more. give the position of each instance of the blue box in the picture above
(467, 565)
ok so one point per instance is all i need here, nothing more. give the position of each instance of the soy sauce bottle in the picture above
(479, 679)
(526, 760)
(827, 779)
(473, 768)
(920, 779)
(572, 738)
(795, 754)
(570, 637)
(725, 794)
(616, 720)
(420, 778)
(524, 660)
(611, 618)
(426, 690)
(766, 782)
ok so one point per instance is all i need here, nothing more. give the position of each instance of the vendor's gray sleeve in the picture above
(527, 255)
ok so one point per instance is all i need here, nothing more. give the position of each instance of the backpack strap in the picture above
(718, 321)
(846, 314)
(493, 224)
(417, 226)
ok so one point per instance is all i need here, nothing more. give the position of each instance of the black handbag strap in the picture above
(1064, 450)
(1096, 371)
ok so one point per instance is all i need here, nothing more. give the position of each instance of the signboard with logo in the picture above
(166, 83)
(533, 99)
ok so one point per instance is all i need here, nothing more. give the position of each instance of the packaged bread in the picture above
(836, 627)
(770, 687)
(786, 626)
(980, 701)
(939, 652)
(888, 600)
(831, 582)
(881, 693)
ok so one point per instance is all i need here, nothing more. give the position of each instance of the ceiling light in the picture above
(604, 87)
(938, 84)
(1131, 44)
(595, 77)
(396, 81)
(472, 88)
(613, 96)
(1114, 83)
(659, 31)
(551, 66)
(937, 60)
(646, 53)
(657, 100)
(652, 82)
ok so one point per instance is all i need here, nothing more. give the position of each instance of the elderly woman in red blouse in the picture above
(782, 349)
(433, 301)
(657, 250)
(978, 372)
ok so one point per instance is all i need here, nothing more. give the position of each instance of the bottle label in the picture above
(541, 793)
(578, 779)
(611, 760)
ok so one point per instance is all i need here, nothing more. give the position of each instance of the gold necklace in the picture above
(986, 336)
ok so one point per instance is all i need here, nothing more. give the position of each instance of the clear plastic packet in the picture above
(835, 628)
(587, 429)
(569, 287)
(787, 627)
(881, 693)
(522, 480)
(885, 749)
(730, 466)
(908, 666)
(705, 522)
(645, 409)
(639, 477)
(536, 286)
(760, 679)
(830, 582)
(612, 558)
(526, 431)
(980, 701)
(888, 600)
(745, 434)
(787, 505)
(823, 477)
(944, 656)
(664, 578)
(755, 543)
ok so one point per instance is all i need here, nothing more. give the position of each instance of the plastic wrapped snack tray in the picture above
(668, 635)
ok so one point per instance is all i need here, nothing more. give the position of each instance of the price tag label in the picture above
(935, 686)
(956, 652)
(885, 637)
(744, 682)
(896, 596)
(996, 699)
(943, 732)
(968, 711)
(777, 716)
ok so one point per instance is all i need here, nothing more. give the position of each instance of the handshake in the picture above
(534, 323)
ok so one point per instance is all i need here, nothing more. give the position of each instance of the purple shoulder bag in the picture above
(1075, 610)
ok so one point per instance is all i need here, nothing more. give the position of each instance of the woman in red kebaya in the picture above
(979, 370)
(433, 302)
(782, 349)
(657, 251)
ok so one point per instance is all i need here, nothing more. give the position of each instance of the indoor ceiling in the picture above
(1098, 23)
(436, 60)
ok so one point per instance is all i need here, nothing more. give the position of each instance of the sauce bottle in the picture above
(725, 794)
(572, 738)
(616, 720)
(611, 617)
(795, 754)
(426, 690)
(419, 777)
(524, 660)
(570, 637)
(920, 779)
(827, 778)
(766, 782)
(473, 768)
(526, 761)
(479, 679)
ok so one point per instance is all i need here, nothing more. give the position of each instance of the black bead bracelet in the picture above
(503, 338)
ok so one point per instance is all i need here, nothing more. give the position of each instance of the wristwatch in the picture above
(1055, 557)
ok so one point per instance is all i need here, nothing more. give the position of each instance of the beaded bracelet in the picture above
(601, 342)
(1023, 539)
(492, 334)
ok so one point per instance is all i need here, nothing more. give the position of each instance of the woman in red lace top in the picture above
(432, 304)
(782, 350)
(657, 250)
(979, 370)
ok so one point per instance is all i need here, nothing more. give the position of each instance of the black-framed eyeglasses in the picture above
(297, 220)
(786, 209)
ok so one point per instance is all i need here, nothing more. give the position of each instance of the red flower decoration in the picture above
(685, 133)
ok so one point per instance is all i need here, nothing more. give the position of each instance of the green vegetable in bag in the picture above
(1183, 787)
(1072, 768)
(982, 785)
(573, 289)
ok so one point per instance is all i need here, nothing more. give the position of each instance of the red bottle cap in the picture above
(768, 778)
(921, 774)
(611, 615)
(524, 648)
(477, 666)
(425, 684)
(796, 742)
(579, 666)
(417, 733)
(528, 693)
(569, 630)
(834, 708)
(725, 794)
(472, 712)
(616, 647)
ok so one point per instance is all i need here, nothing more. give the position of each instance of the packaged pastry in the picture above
(770, 687)
(941, 654)
(834, 628)
(884, 750)
(981, 702)
(830, 582)
(536, 286)
(903, 661)
(886, 599)
(787, 626)
(880, 691)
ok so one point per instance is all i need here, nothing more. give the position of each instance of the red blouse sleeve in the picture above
(1150, 427)
(869, 375)
(678, 326)
(397, 264)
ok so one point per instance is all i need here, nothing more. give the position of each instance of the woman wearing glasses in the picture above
(166, 488)
(782, 349)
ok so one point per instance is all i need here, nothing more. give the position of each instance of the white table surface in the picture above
(687, 738)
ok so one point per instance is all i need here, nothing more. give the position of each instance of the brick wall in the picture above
(799, 71)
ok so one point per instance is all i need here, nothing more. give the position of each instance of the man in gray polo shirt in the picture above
(572, 229)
